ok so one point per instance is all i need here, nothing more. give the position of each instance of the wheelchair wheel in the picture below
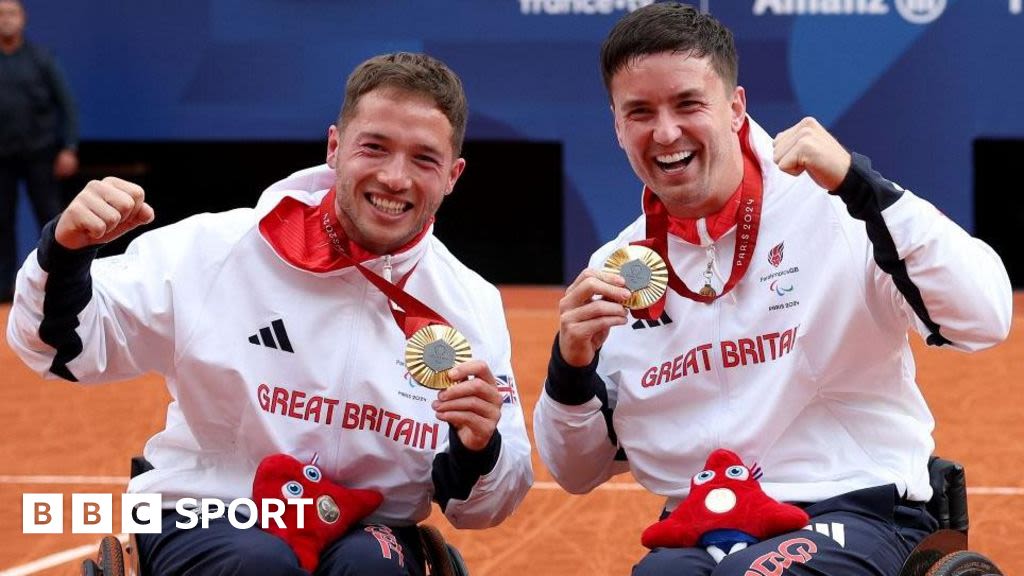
(110, 558)
(964, 563)
(89, 568)
(436, 552)
(458, 564)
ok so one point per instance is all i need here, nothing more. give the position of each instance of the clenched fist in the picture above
(808, 147)
(102, 211)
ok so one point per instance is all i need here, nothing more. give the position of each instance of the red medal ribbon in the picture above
(414, 314)
(748, 221)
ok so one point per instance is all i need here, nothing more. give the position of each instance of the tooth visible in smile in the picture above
(387, 205)
(677, 157)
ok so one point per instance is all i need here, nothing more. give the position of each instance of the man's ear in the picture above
(453, 175)
(333, 142)
(738, 108)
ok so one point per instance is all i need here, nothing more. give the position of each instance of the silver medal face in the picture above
(439, 356)
(636, 274)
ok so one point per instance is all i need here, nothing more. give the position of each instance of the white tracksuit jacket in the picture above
(262, 357)
(804, 368)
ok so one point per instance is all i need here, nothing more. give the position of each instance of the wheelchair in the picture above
(944, 552)
(113, 559)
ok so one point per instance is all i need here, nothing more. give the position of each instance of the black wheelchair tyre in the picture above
(964, 563)
(90, 568)
(458, 564)
(110, 557)
(438, 561)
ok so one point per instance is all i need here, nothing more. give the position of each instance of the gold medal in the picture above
(434, 350)
(708, 291)
(644, 271)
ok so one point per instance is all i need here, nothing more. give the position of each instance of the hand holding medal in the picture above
(643, 270)
(434, 350)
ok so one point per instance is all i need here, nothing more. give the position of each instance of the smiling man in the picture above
(793, 274)
(287, 329)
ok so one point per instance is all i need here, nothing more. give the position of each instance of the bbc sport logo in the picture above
(43, 513)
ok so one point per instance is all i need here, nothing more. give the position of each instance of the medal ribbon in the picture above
(748, 221)
(414, 314)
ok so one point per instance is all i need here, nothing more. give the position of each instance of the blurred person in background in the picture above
(38, 133)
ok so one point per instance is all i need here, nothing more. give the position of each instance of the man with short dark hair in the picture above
(293, 328)
(793, 274)
(38, 133)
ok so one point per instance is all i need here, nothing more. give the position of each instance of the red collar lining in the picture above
(296, 232)
(722, 221)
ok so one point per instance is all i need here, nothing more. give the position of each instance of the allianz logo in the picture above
(913, 11)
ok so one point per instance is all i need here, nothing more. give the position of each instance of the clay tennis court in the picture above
(62, 438)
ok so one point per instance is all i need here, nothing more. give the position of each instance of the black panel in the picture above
(999, 203)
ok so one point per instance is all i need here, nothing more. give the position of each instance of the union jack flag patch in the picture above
(507, 387)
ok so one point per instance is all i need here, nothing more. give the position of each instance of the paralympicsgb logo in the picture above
(920, 11)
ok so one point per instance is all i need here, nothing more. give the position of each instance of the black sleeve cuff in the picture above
(864, 191)
(475, 462)
(456, 471)
(570, 385)
(67, 292)
(56, 259)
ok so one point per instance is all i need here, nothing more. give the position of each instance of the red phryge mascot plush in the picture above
(334, 510)
(725, 511)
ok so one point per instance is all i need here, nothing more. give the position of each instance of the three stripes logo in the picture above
(661, 321)
(833, 530)
(273, 336)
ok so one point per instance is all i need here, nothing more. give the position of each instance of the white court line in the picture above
(532, 313)
(608, 486)
(634, 487)
(56, 559)
(63, 479)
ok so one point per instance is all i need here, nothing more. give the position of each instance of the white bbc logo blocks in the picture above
(92, 513)
(141, 513)
(42, 513)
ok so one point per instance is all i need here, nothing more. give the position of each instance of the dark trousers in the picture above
(36, 169)
(223, 550)
(862, 533)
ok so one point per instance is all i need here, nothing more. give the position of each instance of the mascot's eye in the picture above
(703, 477)
(737, 472)
(312, 473)
(291, 489)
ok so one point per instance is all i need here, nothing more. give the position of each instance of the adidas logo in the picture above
(265, 337)
(833, 530)
(661, 321)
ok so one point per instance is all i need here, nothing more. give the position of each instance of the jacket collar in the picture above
(291, 222)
